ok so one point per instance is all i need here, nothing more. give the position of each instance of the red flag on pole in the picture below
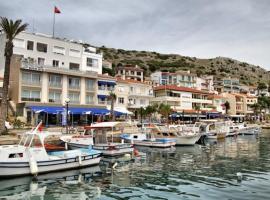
(56, 10)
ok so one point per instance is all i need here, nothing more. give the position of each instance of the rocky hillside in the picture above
(219, 67)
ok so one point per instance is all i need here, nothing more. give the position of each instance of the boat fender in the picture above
(136, 152)
(80, 159)
(66, 146)
(122, 141)
(33, 166)
(114, 165)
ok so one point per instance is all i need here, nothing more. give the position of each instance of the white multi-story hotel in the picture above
(46, 71)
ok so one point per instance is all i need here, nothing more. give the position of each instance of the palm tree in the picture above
(112, 98)
(11, 29)
(256, 108)
(149, 110)
(227, 107)
(197, 108)
(165, 110)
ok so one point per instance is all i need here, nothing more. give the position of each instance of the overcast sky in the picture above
(239, 29)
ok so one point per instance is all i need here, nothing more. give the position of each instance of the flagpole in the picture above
(53, 21)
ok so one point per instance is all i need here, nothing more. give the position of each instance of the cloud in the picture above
(203, 28)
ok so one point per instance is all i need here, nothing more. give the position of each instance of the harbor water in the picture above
(235, 168)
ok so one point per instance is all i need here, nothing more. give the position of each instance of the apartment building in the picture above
(205, 83)
(240, 104)
(130, 72)
(179, 78)
(133, 94)
(46, 72)
(106, 85)
(229, 85)
(182, 98)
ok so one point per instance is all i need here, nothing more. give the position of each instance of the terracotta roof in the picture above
(130, 67)
(106, 76)
(214, 96)
(130, 81)
(178, 88)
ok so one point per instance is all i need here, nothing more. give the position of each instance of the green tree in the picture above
(112, 98)
(256, 108)
(261, 86)
(227, 107)
(165, 110)
(197, 109)
(11, 29)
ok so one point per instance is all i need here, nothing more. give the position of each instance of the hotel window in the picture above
(74, 97)
(31, 78)
(74, 83)
(55, 96)
(90, 62)
(19, 43)
(41, 61)
(89, 99)
(55, 63)
(74, 53)
(30, 95)
(121, 100)
(138, 73)
(55, 80)
(42, 47)
(59, 50)
(30, 45)
(90, 84)
(74, 66)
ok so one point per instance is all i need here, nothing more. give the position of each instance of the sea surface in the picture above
(235, 168)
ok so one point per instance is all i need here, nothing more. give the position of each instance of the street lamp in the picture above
(67, 100)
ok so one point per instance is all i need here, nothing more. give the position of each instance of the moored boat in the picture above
(31, 157)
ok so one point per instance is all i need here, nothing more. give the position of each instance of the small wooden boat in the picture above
(147, 139)
(100, 137)
(31, 157)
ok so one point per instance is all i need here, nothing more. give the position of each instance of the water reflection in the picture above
(73, 184)
(203, 171)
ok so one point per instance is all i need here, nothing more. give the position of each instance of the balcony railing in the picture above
(30, 99)
(25, 64)
(55, 84)
(31, 82)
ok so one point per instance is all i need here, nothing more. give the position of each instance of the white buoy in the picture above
(239, 176)
(80, 159)
(114, 165)
(33, 166)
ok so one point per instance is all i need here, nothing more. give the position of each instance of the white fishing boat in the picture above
(214, 129)
(104, 140)
(180, 134)
(249, 130)
(148, 139)
(30, 156)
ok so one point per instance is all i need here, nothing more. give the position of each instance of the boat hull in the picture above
(187, 140)
(104, 149)
(154, 144)
(12, 169)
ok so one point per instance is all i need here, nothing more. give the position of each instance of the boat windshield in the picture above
(30, 140)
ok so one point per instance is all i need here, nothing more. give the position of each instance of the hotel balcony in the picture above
(56, 70)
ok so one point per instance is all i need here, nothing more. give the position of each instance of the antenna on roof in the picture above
(33, 26)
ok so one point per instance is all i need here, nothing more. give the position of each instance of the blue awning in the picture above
(102, 97)
(106, 83)
(47, 109)
(72, 110)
